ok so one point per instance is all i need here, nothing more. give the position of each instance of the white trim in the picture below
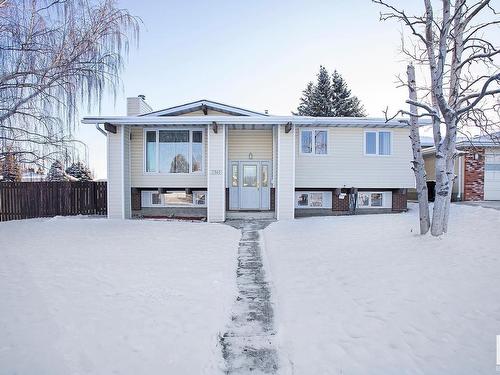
(223, 179)
(277, 191)
(209, 189)
(214, 105)
(190, 151)
(313, 143)
(108, 195)
(122, 155)
(357, 122)
(377, 132)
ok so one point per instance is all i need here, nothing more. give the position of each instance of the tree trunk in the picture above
(418, 160)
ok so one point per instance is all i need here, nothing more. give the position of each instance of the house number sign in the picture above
(216, 172)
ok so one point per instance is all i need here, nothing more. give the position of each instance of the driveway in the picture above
(486, 204)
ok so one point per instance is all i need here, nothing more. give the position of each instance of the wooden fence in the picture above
(24, 200)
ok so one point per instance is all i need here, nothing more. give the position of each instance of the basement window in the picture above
(173, 198)
(374, 199)
(313, 199)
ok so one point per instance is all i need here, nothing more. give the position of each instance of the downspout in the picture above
(100, 130)
(460, 182)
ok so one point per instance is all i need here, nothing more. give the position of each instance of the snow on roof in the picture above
(361, 122)
(204, 103)
(486, 140)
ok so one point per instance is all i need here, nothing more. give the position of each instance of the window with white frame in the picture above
(374, 199)
(378, 143)
(174, 198)
(313, 199)
(174, 151)
(314, 141)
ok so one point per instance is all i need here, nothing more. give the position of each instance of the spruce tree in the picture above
(80, 171)
(56, 172)
(305, 106)
(330, 96)
(343, 104)
(322, 94)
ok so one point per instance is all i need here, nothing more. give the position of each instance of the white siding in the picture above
(137, 106)
(285, 189)
(115, 173)
(127, 204)
(216, 207)
(243, 142)
(347, 166)
(139, 178)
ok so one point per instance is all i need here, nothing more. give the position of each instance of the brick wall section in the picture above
(474, 175)
(399, 200)
(136, 199)
(340, 204)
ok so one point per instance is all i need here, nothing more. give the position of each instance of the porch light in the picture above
(250, 156)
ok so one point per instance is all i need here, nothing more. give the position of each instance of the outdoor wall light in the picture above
(250, 156)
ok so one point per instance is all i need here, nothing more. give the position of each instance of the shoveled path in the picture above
(248, 343)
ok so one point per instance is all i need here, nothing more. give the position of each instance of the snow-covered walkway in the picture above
(249, 343)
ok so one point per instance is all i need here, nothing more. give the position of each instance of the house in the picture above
(477, 169)
(208, 159)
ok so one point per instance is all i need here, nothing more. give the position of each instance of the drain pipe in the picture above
(100, 130)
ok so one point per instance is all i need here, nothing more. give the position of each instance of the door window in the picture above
(249, 176)
(264, 175)
(234, 175)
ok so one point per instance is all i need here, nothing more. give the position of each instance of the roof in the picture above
(202, 104)
(487, 140)
(358, 122)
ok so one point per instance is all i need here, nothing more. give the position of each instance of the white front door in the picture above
(249, 185)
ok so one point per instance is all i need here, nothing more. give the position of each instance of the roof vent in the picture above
(143, 97)
(266, 111)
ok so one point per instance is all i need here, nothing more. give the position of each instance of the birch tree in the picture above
(458, 55)
(56, 55)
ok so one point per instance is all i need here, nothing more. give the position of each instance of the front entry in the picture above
(249, 185)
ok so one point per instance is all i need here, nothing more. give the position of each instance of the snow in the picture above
(101, 296)
(365, 294)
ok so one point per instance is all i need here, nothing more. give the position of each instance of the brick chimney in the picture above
(137, 106)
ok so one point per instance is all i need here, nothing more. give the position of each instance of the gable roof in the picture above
(201, 105)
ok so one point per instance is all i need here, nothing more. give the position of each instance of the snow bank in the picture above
(101, 296)
(366, 295)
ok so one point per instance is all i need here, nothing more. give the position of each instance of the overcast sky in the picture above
(257, 55)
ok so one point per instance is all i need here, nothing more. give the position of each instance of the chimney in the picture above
(137, 106)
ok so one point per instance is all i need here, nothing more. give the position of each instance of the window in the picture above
(174, 198)
(249, 175)
(234, 175)
(199, 198)
(151, 151)
(378, 143)
(313, 142)
(372, 199)
(174, 151)
(313, 199)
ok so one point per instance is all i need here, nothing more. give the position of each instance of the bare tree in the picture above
(460, 59)
(56, 55)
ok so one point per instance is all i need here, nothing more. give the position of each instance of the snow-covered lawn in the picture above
(365, 295)
(93, 296)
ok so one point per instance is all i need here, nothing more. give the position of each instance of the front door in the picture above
(249, 185)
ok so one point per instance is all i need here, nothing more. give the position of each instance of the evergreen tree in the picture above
(330, 96)
(322, 97)
(11, 170)
(80, 171)
(343, 104)
(56, 172)
(305, 106)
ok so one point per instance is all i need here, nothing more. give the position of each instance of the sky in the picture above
(257, 55)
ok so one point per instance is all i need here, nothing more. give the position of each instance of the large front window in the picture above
(174, 151)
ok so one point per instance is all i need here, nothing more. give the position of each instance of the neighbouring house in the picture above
(207, 159)
(477, 169)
